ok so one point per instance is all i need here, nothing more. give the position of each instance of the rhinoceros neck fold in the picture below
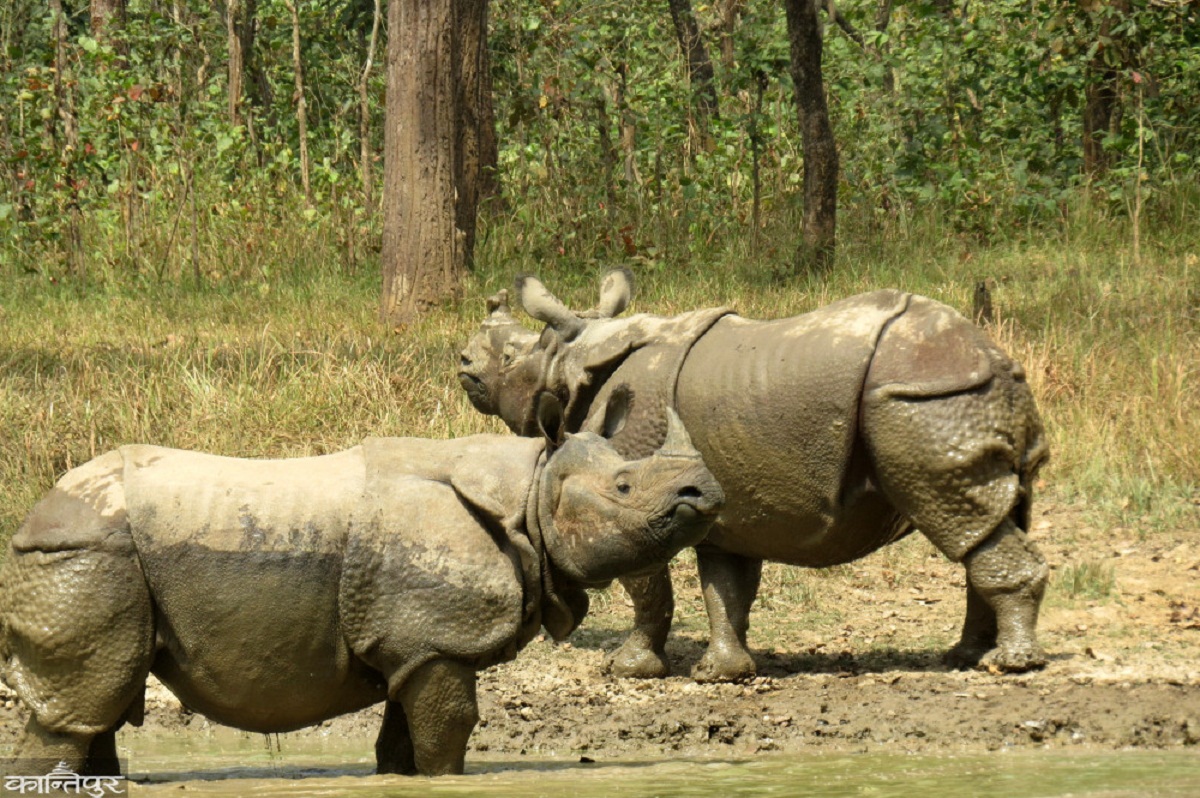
(642, 353)
(561, 604)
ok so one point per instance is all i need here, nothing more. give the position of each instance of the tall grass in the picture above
(275, 349)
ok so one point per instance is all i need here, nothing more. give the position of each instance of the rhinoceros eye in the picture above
(623, 488)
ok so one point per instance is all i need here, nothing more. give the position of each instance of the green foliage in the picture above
(972, 113)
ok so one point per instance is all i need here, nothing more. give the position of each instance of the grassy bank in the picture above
(289, 360)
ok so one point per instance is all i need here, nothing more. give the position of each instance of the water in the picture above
(238, 766)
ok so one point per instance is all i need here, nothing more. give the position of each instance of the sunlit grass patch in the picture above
(1091, 580)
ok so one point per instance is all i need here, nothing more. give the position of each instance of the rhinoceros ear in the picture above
(539, 303)
(616, 289)
(616, 411)
(551, 419)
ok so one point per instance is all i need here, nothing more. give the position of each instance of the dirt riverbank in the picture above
(850, 660)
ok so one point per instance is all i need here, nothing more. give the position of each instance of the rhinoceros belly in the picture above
(243, 560)
(773, 407)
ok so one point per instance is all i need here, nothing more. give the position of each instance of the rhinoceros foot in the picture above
(634, 660)
(1013, 660)
(965, 656)
(724, 664)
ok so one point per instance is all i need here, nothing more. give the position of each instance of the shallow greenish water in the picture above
(315, 767)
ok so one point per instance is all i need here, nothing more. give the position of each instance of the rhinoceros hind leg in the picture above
(440, 705)
(978, 632)
(643, 655)
(394, 745)
(1008, 572)
(730, 583)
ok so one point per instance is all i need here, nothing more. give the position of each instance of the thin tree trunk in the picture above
(820, 149)
(236, 69)
(108, 20)
(1101, 95)
(700, 69)
(301, 103)
(239, 32)
(65, 113)
(364, 113)
(608, 155)
(730, 11)
(423, 253)
(760, 87)
(473, 84)
(633, 179)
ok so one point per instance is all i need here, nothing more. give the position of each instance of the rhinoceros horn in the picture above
(678, 442)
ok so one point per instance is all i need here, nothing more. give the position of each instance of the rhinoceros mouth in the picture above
(687, 521)
(477, 393)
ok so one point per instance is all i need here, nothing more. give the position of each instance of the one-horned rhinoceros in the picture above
(832, 434)
(273, 594)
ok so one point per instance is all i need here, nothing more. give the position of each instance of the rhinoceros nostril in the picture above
(690, 492)
(464, 360)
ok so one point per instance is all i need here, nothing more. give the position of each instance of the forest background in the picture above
(191, 211)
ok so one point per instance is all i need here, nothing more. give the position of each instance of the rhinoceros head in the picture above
(504, 366)
(603, 516)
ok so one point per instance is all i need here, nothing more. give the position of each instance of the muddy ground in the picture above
(850, 660)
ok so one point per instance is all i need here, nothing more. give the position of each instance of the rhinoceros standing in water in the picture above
(832, 434)
(273, 594)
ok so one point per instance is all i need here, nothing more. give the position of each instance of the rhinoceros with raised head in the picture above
(832, 434)
(273, 594)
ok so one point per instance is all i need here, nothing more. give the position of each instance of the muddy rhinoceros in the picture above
(272, 594)
(832, 434)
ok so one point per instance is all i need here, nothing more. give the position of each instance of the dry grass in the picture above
(296, 364)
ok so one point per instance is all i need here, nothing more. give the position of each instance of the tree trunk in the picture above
(239, 32)
(489, 144)
(820, 149)
(65, 112)
(424, 250)
(633, 178)
(474, 103)
(700, 69)
(108, 20)
(608, 155)
(730, 11)
(364, 113)
(1101, 98)
(301, 104)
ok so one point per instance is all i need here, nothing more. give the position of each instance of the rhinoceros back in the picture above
(773, 407)
(243, 559)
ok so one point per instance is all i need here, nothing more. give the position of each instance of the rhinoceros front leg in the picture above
(40, 749)
(439, 704)
(730, 584)
(1007, 577)
(978, 632)
(643, 654)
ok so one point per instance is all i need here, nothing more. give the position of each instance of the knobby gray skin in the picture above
(832, 434)
(273, 594)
